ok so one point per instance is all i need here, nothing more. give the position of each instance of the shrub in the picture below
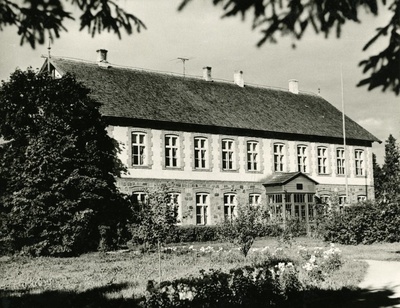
(268, 284)
(242, 230)
(154, 219)
(362, 224)
(192, 233)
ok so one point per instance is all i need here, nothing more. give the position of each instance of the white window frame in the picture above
(230, 206)
(140, 197)
(302, 158)
(202, 208)
(322, 160)
(140, 146)
(340, 161)
(359, 162)
(361, 198)
(279, 157)
(342, 199)
(172, 154)
(254, 199)
(228, 154)
(175, 200)
(253, 155)
(325, 199)
(201, 153)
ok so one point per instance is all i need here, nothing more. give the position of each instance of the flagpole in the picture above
(344, 135)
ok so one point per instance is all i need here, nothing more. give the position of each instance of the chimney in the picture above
(238, 78)
(207, 73)
(102, 58)
(294, 86)
(101, 55)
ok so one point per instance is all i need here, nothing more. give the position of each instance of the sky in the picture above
(228, 44)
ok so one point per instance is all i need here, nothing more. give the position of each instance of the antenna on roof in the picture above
(48, 55)
(183, 62)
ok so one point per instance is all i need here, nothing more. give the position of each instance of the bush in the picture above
(362, 224)
(271, 283)
(186, 234)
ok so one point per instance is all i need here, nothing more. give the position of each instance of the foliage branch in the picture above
(37, 19)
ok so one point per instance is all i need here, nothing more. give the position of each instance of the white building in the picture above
(222, 143)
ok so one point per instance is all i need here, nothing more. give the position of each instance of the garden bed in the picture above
(123, 276)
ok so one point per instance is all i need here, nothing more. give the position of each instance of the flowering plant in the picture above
(320, 263)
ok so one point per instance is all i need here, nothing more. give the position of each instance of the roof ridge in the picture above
(196, 77)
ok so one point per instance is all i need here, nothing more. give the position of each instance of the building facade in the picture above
(219, 144)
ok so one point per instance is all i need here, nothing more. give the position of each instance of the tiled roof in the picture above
(138, 94)
(282, 178)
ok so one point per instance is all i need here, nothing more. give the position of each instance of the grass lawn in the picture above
(23, 275)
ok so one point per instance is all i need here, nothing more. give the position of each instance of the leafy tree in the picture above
(36, 18)
(155, 218)
(295, 17)
(58, 168)
(244, 228)
(378, 178)
(391, 171)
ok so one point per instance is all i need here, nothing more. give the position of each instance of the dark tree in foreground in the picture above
(58, 168)
(38, 19)
(295, 17)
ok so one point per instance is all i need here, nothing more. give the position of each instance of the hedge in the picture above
(190, 233)
(362, 224)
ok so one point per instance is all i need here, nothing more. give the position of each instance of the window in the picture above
(342, 200)
(278, 157)
(200, 153)
(202, 204)
(229, 206)
(174, 201)
(340, 162)
(252, 155)
(359, 160)
(275, 198)
(254, 199)
(299, 198)
(299, 186)
(302, 158)
(322, 157)
(325, 199)
(171, 151)
(139, 197)
(361, 198)
(138, 149)
(228, 154)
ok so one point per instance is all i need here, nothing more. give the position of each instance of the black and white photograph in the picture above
(199, 153)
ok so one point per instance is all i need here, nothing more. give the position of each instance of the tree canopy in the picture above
(38, 19)
(35, 19)
(58, 168)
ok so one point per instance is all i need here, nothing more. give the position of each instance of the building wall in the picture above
(216, 182)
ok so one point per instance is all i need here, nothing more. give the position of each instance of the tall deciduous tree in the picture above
(391, 171)
(58, 168)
